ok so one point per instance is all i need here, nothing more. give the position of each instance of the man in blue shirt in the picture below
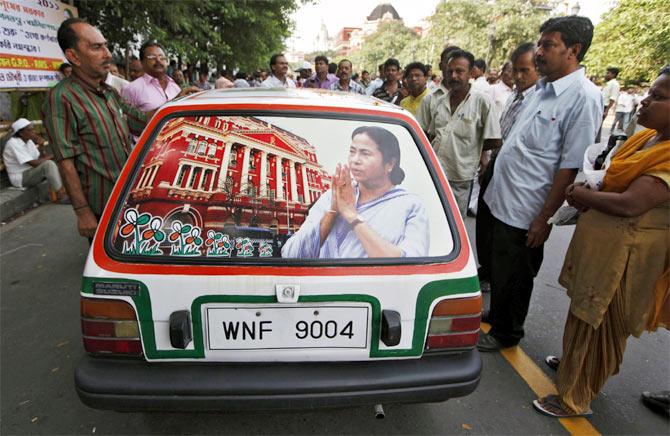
(539, 160)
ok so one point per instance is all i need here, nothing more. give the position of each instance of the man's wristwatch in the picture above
(357, 220)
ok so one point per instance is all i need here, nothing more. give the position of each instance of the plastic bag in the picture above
(593, 178)
(565, 216)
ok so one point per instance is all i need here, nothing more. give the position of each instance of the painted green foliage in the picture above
(635, 37)
(241, 33)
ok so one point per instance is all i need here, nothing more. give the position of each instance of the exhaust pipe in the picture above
(379, 411)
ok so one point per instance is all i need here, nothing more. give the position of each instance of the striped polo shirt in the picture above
(92, 126)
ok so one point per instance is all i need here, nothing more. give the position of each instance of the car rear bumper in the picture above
(130, 385)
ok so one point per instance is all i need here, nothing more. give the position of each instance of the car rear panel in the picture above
(412, 296)
(205, 333)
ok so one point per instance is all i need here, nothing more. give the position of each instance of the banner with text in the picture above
(29, 51)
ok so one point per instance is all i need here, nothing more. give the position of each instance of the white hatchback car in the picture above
(272, 249)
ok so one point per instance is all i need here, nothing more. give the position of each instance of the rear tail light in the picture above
(110, 327)
(454, 324)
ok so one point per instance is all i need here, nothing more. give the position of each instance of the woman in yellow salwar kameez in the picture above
(616, 269)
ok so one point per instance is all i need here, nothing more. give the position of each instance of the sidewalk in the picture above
(16, 200)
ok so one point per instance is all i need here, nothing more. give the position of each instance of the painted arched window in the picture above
(192, 143)
(211, 150)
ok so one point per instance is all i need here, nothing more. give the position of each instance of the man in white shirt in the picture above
(278, 77)
(379, 81)
(478, 81)
(610, 91)
(241, 80)
(460, 123)
(25, 164)
(429, 102)
(116, 82)
(624, 109)
(502, 90)
(305, 72)
(499, 93)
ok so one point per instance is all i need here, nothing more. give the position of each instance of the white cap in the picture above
(305, 66)
(19, 124)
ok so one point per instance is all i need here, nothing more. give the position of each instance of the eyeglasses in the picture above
(154, 57)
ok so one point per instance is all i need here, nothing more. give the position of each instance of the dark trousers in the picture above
(484, 226)
(513, 268)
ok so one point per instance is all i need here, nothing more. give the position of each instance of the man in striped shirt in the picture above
(345, 83)
(88, 123)
(525, 75)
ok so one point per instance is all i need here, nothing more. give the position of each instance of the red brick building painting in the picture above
(207, 173)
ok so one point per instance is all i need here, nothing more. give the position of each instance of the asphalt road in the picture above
(41, 261)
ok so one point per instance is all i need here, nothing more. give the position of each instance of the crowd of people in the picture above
(518, 135)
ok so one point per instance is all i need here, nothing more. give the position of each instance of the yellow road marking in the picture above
(542, 385)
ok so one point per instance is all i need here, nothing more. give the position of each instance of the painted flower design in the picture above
(154, 230)
(244, 247)
(219, 244)
(265, 250)
(185, 239)
(130, 216)
(142, 239)
(194, 237)
(212, 236)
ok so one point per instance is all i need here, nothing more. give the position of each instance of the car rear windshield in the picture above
(235, 188)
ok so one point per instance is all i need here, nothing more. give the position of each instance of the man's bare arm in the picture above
(491, 144)
(539, 230)
(36, 162)
(608, 107)
(86, 220)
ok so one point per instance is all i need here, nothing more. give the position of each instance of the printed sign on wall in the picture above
(29, 51)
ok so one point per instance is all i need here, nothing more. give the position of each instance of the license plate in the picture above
(272, 327)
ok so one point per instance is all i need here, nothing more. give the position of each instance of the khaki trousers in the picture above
(46, 170)
(462, 192)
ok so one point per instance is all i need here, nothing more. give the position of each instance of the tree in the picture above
(633, 36)
(330, 54)
(512, 23)
(455, 22)
(241, 33)
(389, 41)
(489, 29)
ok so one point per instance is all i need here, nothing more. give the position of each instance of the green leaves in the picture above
(635, 37)
(489, 29)
(239, 33)
(186, 229)
(391, 40)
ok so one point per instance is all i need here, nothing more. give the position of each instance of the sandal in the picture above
(552, 362)
(551, 406)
